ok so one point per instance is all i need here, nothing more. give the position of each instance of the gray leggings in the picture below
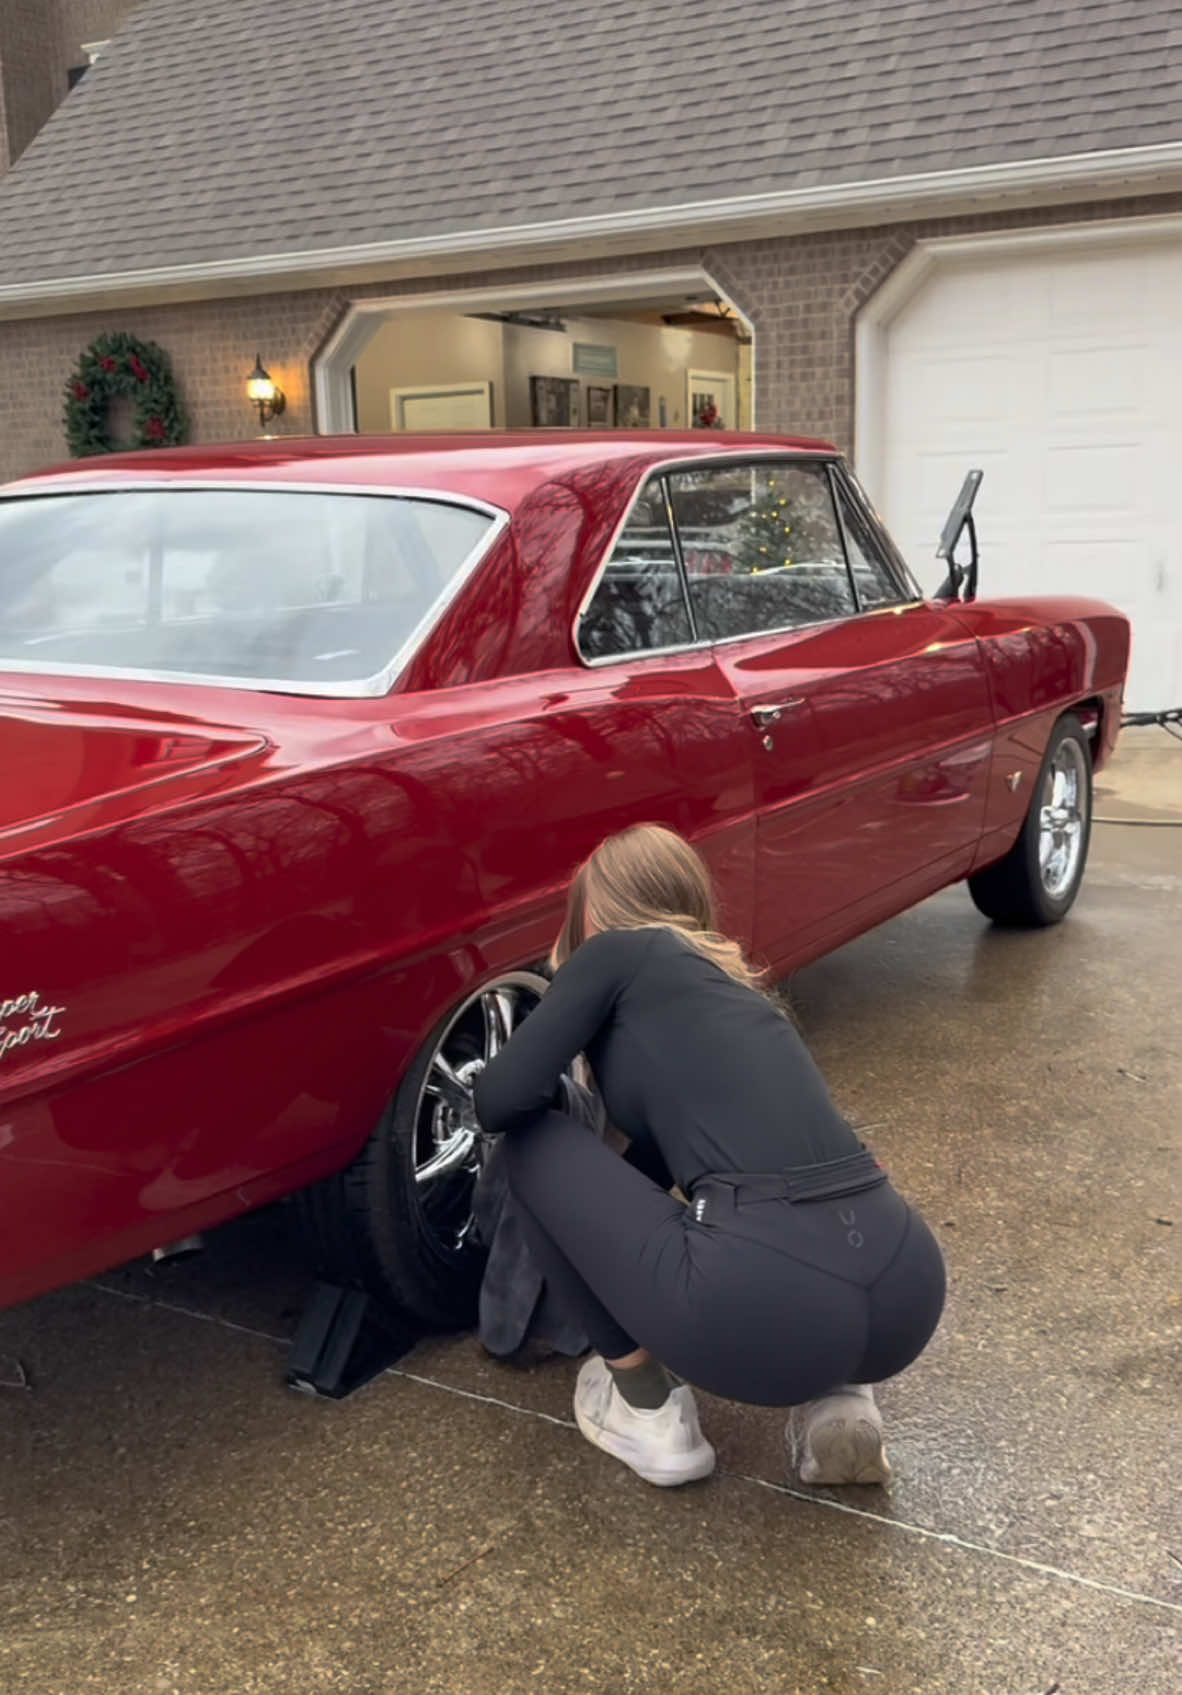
(768, 1301)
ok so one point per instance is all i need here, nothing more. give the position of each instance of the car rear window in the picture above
(261, 588)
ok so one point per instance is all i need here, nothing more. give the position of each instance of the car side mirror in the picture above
(959, 520)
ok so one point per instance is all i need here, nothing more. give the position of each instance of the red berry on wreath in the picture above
(81, 392)
(154, 429)
(138, 368)
(107, 363)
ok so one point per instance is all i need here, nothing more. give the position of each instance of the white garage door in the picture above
(1059, 373)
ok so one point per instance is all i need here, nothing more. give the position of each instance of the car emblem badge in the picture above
(1013, 781)
(27, 1018)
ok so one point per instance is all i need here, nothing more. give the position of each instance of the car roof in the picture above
(498, 467)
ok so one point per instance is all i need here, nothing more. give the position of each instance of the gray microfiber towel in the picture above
(516, 1307)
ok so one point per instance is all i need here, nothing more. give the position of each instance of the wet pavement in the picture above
(173, 1521)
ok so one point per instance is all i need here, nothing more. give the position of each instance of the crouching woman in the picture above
(796, 1277)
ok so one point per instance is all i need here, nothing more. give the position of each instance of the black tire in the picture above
(1018, 890)
(373, 1227)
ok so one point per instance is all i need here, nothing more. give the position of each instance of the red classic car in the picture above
(301, 741)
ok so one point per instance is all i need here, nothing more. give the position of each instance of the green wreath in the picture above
(119, 363)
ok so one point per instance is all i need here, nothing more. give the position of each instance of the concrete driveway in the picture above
(173, 1521)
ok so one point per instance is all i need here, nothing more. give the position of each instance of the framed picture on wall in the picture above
(554, 403)
(633, 407)
(599, 408)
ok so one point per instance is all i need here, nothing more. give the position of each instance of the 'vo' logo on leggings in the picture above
(849, 1218)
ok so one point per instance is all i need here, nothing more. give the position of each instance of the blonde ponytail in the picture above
(648, 876)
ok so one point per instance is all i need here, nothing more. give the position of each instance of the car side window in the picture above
(873, 577)
(640, 602)
(762, 547)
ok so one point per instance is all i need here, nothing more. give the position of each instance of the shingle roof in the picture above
(246, 127)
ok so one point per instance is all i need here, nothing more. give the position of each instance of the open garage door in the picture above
(1057, 370)
(658, 350)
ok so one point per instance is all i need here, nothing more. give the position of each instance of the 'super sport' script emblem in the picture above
(25, 1019)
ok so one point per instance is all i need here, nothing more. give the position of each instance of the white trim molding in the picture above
(1109, 174)
(331, 366)
(883, 307)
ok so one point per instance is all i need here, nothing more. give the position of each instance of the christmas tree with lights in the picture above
(781, 529)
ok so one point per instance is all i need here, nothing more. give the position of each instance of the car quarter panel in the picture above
(211, 959)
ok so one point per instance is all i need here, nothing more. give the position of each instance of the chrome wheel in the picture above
(1062, 818)
(448, 1141)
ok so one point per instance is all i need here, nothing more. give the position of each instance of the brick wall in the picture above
(27, 70)
(76, 21)
(802, 293)
(40, 43)
(212, 345)
(5, 155)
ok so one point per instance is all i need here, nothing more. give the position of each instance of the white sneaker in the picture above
(664, 1446)
(838, 1438)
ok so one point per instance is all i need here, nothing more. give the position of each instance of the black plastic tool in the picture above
(345, 1340)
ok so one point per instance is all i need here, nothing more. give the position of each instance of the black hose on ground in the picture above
(1168, 719)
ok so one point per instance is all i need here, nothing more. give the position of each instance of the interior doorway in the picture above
(711, 400)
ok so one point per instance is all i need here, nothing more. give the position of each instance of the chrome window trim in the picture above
(362, 688)
(843, 536)
(722, 641)
(661, 472)
(910, 593)
(687, 598)
(642, 653)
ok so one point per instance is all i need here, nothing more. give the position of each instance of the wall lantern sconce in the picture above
(265, 393)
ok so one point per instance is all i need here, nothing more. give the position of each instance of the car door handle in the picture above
(765, 716)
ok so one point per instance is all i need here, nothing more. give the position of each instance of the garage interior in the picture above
(684, 362)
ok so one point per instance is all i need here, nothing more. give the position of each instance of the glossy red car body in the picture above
(231, 918)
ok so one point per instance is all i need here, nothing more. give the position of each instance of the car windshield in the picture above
(261, 588)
